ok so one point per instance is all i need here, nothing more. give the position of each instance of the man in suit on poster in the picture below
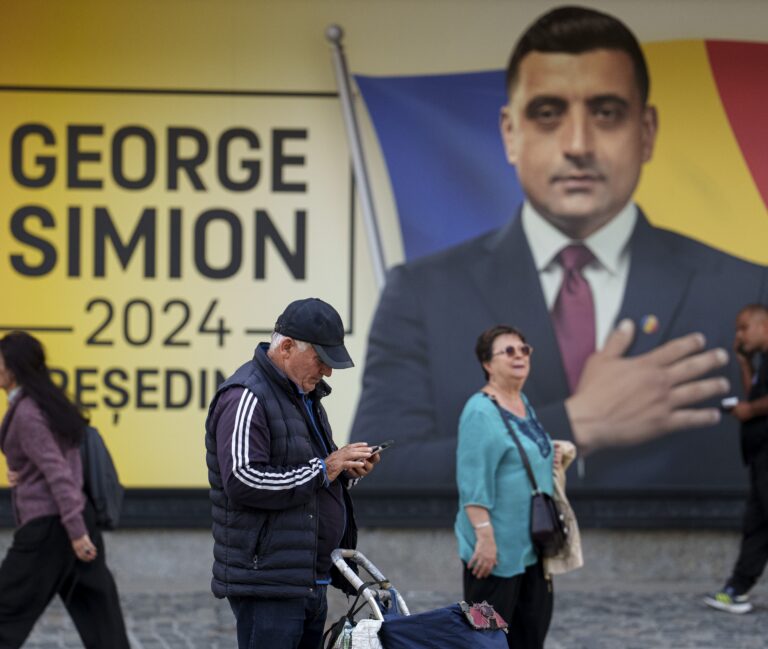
(578, 129)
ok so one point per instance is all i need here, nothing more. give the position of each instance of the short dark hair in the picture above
(755, 309)
(575, 30)
(484, 344)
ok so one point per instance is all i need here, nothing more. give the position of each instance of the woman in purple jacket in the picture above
(57, 547)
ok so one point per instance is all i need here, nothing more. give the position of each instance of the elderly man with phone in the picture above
(279, 484)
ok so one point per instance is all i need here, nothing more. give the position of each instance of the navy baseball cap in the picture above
(319, 324)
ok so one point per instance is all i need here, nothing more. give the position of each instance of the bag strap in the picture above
(333, 632)
(520, 449)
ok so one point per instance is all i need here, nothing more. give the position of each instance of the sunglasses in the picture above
(510, 350)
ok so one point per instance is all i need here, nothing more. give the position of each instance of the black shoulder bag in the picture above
(548, 531)
(100, 481)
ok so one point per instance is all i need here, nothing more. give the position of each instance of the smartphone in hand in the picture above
(728, 403)
(378, 448)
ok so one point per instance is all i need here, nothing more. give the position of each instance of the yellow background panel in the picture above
(698, 182)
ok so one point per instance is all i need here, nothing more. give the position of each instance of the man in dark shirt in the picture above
(278, 482)
(751, 346)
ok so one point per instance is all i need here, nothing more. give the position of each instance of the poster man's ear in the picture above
(508, 134)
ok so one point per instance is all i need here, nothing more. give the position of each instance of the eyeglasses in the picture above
(510, 350)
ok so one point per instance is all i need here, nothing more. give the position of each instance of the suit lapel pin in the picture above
(649, 324)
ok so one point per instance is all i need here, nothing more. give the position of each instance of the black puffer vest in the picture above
(258, 552)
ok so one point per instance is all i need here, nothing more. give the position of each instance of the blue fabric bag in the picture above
(443, 628)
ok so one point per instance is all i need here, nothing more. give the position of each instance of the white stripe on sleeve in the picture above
(271, 481)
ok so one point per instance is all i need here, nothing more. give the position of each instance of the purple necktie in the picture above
(574, 313)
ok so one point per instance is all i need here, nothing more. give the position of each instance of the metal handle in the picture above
(340, 557)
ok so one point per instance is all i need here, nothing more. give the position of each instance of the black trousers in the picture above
(41, 564)
(753, 554)
(524, 601)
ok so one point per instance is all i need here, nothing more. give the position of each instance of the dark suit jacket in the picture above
(421, 368)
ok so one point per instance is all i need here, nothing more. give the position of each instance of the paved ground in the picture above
(638, 590)
(607, 620)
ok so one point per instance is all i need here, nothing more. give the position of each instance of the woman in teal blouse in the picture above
(492, 526)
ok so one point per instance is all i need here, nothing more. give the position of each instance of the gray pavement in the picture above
(636, 590)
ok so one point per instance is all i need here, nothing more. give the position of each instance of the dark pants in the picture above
(753, 554)
(524, 601)
(41, 563)
(280, 623)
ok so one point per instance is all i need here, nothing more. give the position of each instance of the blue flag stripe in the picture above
(440, 138)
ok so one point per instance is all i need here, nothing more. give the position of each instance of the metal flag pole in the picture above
(334, 34)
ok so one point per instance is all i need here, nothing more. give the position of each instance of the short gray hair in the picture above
(278, 338)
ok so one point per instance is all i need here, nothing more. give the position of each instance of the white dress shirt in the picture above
(606, 275)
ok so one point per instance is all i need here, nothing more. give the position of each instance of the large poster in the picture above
(174, 173)
(706, 180)
(150, 237)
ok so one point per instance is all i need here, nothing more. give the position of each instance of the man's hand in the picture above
(352, 457)
(366, 468)
(742, 411)
(622, 401)
(738, 349)
(744, 360)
